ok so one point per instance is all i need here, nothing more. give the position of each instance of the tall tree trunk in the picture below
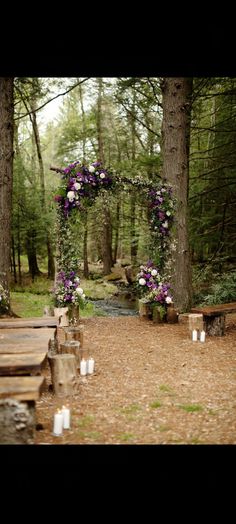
(107, 227)
(51, 263)
(85, 214)
(133, 233)
(6, 179)
(117, 224)
(175, 148)
(31, 254)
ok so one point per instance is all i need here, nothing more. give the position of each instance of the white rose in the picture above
(154, 273)
(168, 300)
(168, 213)
(91, 169)
(102, 175)
(71, 195)
(165, 224)
(77, 186)
(79, 291)
(142, 281)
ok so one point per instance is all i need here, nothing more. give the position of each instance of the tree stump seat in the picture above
(214, 317)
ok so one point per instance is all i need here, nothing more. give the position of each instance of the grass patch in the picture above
(191, 408)
(155, 404)
(85, 421)
(166, 389)
(126, 437)
(163, 428)
(128, 410)
(28, 304)
(98, 290)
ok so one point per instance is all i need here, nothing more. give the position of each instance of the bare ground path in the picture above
(152, 385)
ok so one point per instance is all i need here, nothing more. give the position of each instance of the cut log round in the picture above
(215, 326)
(64, 374)
(144, 310)
(72, 347)
(171, 315)
(75, 333)
(17, 422)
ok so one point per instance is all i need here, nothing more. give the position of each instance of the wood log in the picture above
(71, 347)
(171, 315)
(195, 321)
(75, 333)
(63, 373)
(215, 326)
(144, 310)
(17, 422)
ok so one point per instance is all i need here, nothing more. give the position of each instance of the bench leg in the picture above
(215, 326)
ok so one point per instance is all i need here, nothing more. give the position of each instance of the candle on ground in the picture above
(194, 335)
(90, 365)
(83, 367)
(58, 424)
(202, 336)
(66, 417)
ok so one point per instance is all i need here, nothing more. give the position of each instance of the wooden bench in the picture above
(214, 317)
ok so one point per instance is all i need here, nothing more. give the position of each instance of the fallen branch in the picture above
(57, 169)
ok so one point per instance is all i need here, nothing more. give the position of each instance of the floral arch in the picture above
(80, 185)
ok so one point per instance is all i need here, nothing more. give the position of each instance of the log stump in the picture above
(215, 326)
(17, 422)
(64, 374)
(71, 347)
(171, 315)
(145, 312)
(75, 333)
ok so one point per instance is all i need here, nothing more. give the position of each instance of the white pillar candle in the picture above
(90, 365)
(58, 424)
(83, 366)
(202, 336)
(66, 417)
(194, 335)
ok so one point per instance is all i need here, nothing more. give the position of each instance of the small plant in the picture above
(125, 437)
(155, 404)
(223, 290)
(191, 408)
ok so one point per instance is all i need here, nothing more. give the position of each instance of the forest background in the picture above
(126, 123)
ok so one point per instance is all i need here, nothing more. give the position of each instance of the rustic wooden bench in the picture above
(214, 317)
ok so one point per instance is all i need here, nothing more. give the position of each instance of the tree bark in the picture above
(175, 149)
(6, 178)
(107, 227)
(63, 374)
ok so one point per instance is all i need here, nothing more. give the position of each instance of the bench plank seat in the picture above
(21, 388)
(23, 364)
(33, 322)
(213, 311)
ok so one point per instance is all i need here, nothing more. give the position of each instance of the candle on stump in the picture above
(58, 423)
(83, 366)
(66, 417)
(90, 365)
(202, 336)
(194, 335)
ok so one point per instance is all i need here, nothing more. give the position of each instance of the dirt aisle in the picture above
(152, 385)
